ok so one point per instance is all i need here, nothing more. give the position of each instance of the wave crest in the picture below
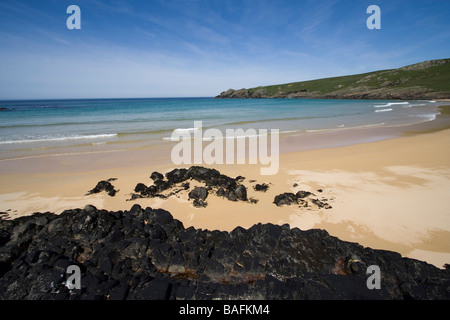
(65, 138)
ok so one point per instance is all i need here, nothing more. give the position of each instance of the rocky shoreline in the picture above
(147, 254)
(362, 93)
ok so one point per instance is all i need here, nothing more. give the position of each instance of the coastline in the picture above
(387, 193)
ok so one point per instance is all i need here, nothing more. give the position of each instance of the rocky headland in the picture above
(424, 80)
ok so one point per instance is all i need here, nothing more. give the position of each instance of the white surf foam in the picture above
(390, 104)
(65, 138)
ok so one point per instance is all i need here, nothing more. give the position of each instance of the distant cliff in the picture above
(424, 80)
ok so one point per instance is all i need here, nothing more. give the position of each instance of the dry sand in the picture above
(391, 194)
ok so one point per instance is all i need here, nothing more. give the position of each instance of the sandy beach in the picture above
(390, 194)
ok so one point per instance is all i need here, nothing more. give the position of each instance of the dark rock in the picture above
(199, 203)
(142, 191)
(285, 199)
(156, 176)
(202, 174)
(176, 176)
(161, 185)
(303, 203)
(354, 265)
(151, 190)
(147, 254)
(186, 186)
(243, 94)
(261, 187)
(198, 193)
(156, 289)
(220, 192)
(241, 192)
(321, 204)
(299, 198)
(119, 292)
(90, 208)
(103, 186)
(213, 180)
(140, 188)
(302, 194)
(230, 195)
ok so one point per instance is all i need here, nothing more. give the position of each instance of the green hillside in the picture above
(429, 79)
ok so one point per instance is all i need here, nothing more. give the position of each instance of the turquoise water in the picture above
(30, 127)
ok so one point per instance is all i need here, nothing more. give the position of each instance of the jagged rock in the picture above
(199, 194)
(223, 185)
(104, 186)
(176, 175)
(146, 254)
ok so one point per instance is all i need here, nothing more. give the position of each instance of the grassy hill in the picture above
(425, 80)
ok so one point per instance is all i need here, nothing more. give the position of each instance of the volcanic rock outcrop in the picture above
(146, 254)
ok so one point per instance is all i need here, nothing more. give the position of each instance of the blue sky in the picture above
(128, 49)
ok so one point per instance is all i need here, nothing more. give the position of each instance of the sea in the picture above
(36, 128)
